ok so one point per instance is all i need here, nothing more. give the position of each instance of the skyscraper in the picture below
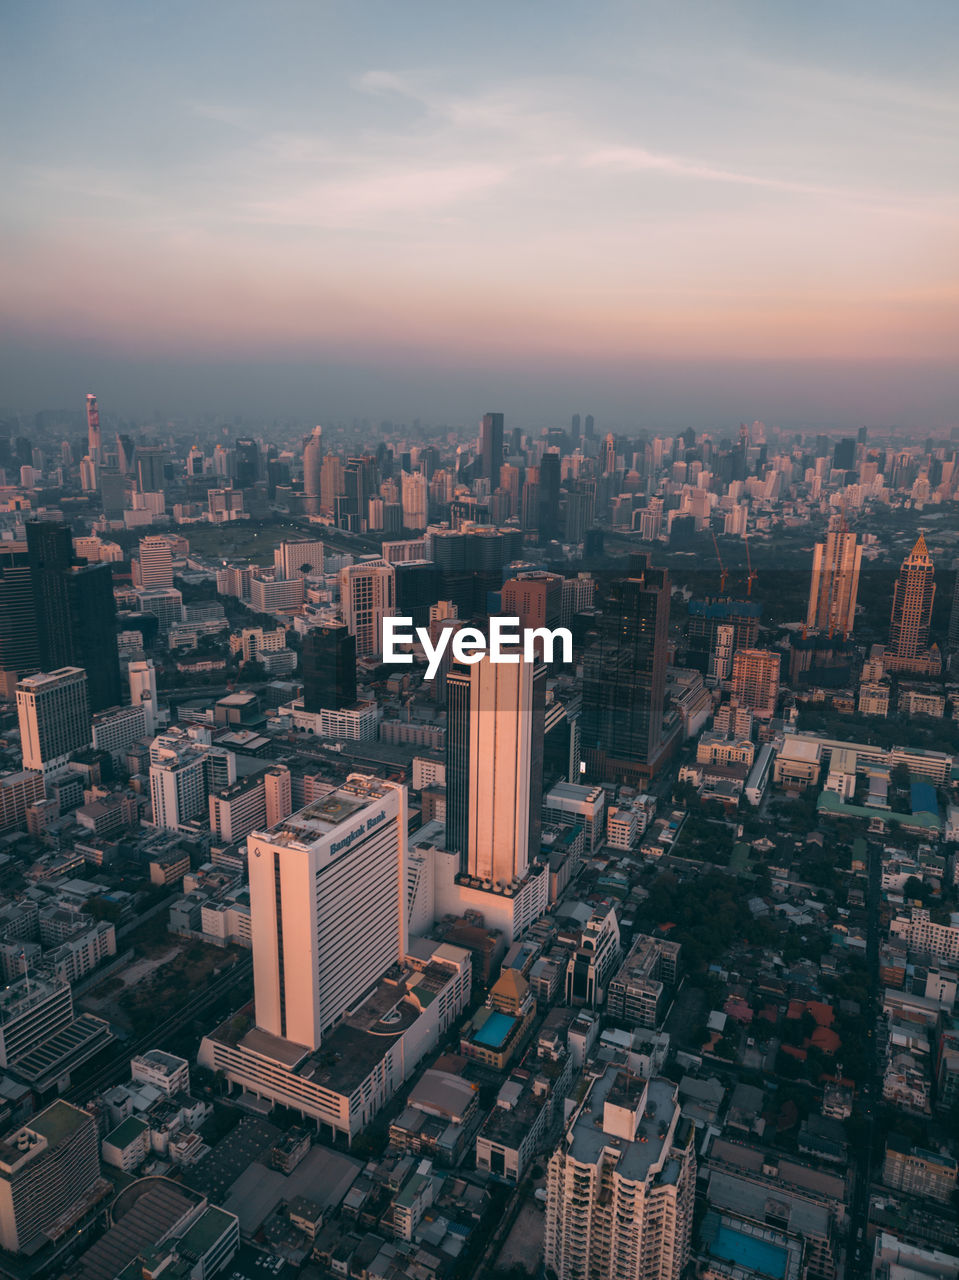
(247, 463)
(624, 678)
(548, 521)
(75, 612)
(49, 1177)
(53, 713)
(756, 680)
(151, 460)
(621, 1185)
(156, 563)
(328, 907)
(94, 447)
(491, 446)
(313, 471)
(911, 617)
(366, 598)
(328, 668)
(835, 583)
(19, 641)
(494, 769)
(143, 691)
(954, 616)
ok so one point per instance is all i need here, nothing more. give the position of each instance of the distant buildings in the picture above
(915, 590)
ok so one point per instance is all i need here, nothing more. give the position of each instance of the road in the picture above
(858, 1254)
(118, 1068)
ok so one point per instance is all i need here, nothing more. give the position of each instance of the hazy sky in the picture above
(664, 213)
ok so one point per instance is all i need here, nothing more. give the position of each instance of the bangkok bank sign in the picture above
(507, 643)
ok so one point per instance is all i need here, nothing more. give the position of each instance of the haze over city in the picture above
(681, 215)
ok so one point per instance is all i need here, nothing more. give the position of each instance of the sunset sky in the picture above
(667, 214)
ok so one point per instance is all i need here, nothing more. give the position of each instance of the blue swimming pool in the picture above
(759, 1255)
(494, 1030)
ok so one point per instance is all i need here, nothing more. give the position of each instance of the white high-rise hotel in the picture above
(327, 901)
(344, 1008)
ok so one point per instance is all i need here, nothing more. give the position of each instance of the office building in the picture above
(953, 640)
(415, 499)
(151, 463)
(494, 768)
(835, 584)
(328, 905)
(313, 472)
(328, 668)
(18, 791)
(165, 603)
(294, 559)
(367, 596)
(75, 612)
(19, 641)
(49, 1177)
(32, 1010)
(246, 463)
(119, 728)
(535, 598)
(916, 1172)
(53, 712)
(624, 679)
(237, 810)
(491, 447)
(94, 441)
(278, 787)
(621, 1185)
(270, 593)
(638, 993)
(183, 772)
(911, 617)
(755, 681)
(156, 563)
(143, 691)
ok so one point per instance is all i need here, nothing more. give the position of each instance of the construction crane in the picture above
(723, 574)
(751, 571)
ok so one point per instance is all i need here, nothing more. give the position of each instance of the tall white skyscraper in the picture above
(835, 583)
(494, 771)
(721, 658)
(313, 471)
(54, 717)
(143, 691)
(367, 596)
(621, 1184)
(328, 907)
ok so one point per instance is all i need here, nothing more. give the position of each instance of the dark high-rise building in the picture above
(471, 565)
(624, 678)
(954, 616)
(328, 667)
(844, 454)
(574, 430)
(549, 515)
(589, 426)
(247, 461)
(19, 642)
(75, 612)
(418, 584)
(151, 460)
(491, 447)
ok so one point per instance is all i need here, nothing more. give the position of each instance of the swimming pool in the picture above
(494, 1030)
(759, 1255)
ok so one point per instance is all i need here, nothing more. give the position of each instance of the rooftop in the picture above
(637, 1159)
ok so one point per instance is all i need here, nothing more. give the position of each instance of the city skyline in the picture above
(664, 217)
